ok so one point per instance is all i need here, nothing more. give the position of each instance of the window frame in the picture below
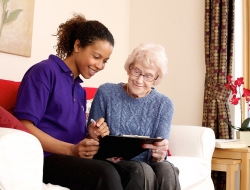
(246, 49)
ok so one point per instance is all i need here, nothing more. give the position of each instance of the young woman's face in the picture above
(139, 85)
(91, 59)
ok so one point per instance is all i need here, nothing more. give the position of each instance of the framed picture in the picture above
(16, 26)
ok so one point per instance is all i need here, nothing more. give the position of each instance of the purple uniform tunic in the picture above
(55, 102)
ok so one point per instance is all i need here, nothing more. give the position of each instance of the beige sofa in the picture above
(21, 159)
(21, 162)
(191, 150)
(21, 154)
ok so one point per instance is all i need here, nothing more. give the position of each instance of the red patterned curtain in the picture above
(219, 34)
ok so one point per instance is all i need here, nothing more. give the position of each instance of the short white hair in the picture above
(149, 55)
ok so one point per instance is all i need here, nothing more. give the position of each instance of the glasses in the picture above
(147, 77)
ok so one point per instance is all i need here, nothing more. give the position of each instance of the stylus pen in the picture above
(92, 120)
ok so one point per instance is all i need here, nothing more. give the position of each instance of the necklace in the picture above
(134, 96)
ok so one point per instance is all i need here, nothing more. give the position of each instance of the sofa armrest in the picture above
(21, 160)
(193, 141)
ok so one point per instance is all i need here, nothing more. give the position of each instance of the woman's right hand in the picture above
(86, 148)
(98, 129)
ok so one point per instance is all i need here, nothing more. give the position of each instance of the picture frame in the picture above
(16, 26)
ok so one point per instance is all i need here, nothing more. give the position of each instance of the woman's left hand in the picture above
(98, 129)
(158, 150)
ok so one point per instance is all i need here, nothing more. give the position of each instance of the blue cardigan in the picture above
(148, 116)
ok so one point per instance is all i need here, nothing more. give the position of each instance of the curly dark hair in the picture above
(78, 28)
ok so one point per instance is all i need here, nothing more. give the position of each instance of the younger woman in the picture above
(51, 103)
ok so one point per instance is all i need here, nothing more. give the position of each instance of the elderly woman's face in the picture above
(141, 79)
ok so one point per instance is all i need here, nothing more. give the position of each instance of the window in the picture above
(241, 64)
(246, 49)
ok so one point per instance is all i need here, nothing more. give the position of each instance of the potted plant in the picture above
(242, 131)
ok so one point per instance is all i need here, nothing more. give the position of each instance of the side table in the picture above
(230, 166)
(242, 154)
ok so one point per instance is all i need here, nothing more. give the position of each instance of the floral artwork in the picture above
(8, 17)
(16, 23)
(240, 98)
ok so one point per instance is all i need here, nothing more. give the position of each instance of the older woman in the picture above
(136, 108)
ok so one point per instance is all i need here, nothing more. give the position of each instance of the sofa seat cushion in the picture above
(193, 170)
(50, 186)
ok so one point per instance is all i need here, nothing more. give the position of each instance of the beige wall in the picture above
(177, 25)
(47, 17)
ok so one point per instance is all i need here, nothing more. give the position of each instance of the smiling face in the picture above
(138, 87)
(89, 60)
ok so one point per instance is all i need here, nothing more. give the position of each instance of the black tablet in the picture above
(126, 146)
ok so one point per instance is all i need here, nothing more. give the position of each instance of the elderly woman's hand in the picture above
(114, 159)
(158, 150)
(98, 129)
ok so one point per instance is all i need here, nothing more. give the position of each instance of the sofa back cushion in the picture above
(90, 92)
(8, 93)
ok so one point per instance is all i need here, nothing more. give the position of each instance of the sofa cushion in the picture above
(8, 93)
(168, 152)
(50, 186)
(7, 120)
(193, 170)
(21, 161)
(90, 92)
